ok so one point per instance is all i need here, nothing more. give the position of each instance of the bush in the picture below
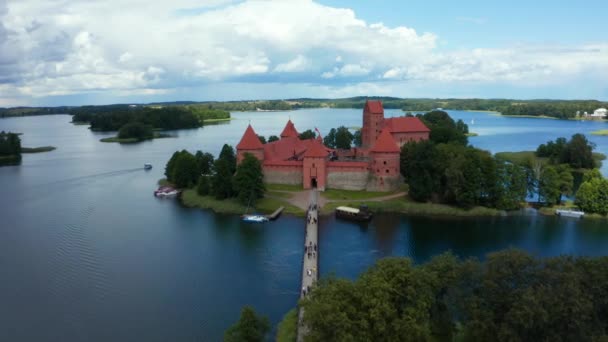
(136, 130)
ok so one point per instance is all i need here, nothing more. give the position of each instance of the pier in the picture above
(310, 266)
(275, 214)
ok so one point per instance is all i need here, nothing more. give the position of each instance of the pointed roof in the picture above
(316, 149)
(250, 140)
(385, 143)
(373, 107)
(405, 124)
(289, 130)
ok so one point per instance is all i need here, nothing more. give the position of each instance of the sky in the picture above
(76, 52)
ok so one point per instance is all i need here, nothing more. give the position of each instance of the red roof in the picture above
(250, 140)
(316, 149)
(289, 130)
(405, 124)
(385, 143)
(374, 107)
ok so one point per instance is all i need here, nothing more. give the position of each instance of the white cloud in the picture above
(298, 64)
(50, 48)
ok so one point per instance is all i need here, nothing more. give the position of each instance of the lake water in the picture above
(87, 253)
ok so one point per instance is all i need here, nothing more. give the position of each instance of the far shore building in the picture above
(374, 166)
(600, 113)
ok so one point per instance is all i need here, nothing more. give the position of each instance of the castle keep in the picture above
(374, 166)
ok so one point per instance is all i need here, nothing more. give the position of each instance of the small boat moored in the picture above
(166, 191)
(361, 214)
(570, 213)
(255, 218)
(147, 166)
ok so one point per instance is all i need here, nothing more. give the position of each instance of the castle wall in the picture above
(384, 183)
(402, 138)
(284, 173)
(347, 175)
(240, 154)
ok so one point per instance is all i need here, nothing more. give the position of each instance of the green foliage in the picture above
(136, 130)
(204, 162)
(249, 328)
(288, 327)
(10, 144)
(273, 138)
(577, 152)
(221, 181)
(357, 138)
(509, 297)
(227, 153)
(340, 138)
(307, 134)
(460, 175)
(592, 195)
(444, 129)
(203, 187)
(182, 169)
(262, 139)
(249, 180)
(171, 117)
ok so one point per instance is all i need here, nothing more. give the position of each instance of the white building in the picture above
(600, 113)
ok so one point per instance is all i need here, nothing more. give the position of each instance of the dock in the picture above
(275, 214)
(310, 265)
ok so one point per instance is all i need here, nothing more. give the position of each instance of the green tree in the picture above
(566, 181)
(204, 162)
(171, 165)
(357, 139)
(579, 152)
(273, 138)
(549, 185)
(330, 139)
(419, 167)
(221, 181)
(203, 187)
(229, 156)
(307, 134)
(249, 328)
(344, 138)
(136, 130)
(592, 196)
(262, 139)
(249, 180)
(185, 171)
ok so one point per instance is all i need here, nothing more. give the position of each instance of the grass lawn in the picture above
(603, 132)
(281, 194)
(283, 187)
(37, 149)
(408, 206)
(335, 194)
(232, 206)
(288, 327)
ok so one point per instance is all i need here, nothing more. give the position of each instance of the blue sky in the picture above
(121, 51)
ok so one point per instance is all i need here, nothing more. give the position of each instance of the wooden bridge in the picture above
(310, 266)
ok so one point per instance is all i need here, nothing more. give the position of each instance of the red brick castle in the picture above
(374, 166)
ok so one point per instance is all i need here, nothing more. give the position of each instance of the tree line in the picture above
(445, 169)
(221, 177)
(511, 296)
(10, 148)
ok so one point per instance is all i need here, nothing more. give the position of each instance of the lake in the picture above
(87, 253)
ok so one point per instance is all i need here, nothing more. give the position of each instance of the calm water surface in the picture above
(87, 253)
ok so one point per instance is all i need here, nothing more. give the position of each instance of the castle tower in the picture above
(289, 131)
(384, 163)
(250, 143)
(373, 119)
(314, 162)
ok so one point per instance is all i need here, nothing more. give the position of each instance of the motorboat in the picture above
(570, 213)
(147, 166)
(255, 218)
(360, 214)
(166, 191)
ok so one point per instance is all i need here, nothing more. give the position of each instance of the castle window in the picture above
(386, 170)
(385, 162)
(313, 164)
(378, 170)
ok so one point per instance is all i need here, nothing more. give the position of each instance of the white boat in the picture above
(255, 218)
(147, 166)
(472, 121)
(570, 213)
(166, 191)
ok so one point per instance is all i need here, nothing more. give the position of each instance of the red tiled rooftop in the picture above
(385, 143)
(289, 131)
(405, 124)
(250, 140)
(316, 149)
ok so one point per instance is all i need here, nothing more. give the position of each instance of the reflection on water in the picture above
(87, 253)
